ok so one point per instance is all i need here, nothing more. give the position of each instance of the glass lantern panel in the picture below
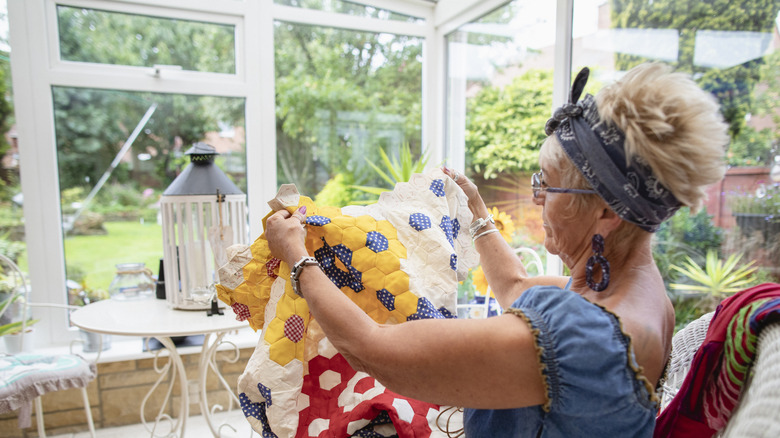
(109, 194)
(92, 35)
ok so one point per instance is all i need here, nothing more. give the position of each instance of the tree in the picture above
(7, 177)
(341, 95)
(732, 86)
(92, 125)
(505, 125)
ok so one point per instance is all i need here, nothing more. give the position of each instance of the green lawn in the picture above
(126, 242)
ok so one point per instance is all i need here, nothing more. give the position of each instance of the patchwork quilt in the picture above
(399, 259)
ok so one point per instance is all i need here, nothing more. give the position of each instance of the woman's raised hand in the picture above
(476, 204)
(286, 235)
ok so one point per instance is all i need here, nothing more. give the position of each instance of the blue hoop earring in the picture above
(597, 259)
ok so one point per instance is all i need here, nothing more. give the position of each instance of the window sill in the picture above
(124, 348)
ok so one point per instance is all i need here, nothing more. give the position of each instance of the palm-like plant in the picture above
(395, 171)
(718, 278)
(10, 294)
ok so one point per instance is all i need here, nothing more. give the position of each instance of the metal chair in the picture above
(25, 376)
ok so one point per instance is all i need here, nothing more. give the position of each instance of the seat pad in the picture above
(25, 376)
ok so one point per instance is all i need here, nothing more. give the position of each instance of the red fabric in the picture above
(347, 401)
(241, 311)
(685, 417)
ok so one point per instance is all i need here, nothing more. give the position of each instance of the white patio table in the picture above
(154, 318)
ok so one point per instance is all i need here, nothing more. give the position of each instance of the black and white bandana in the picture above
(597, 149)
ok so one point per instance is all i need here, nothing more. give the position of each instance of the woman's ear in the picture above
(607, 221)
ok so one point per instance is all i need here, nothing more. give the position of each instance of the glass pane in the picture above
(12, 243)
(110, 196)
(342, 97)
(348, 8)
(500, 82)
(731, 50)
(91, 35)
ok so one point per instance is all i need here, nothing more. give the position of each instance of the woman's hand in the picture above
(476, 204)
(286, 235)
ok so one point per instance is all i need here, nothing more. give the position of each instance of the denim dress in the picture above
(594, 387)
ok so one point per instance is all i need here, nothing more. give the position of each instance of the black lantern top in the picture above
(202, 177)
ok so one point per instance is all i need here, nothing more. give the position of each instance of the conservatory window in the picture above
(499, 96)
(343, 96)
(349, 8)
(110, 182)
(91, 35)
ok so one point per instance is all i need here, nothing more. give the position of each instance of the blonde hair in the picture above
(670, 124)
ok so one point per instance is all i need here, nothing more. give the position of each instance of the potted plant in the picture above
(758, 211)
(81, 295)
(12, 318)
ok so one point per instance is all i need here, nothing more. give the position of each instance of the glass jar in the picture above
(132, 281)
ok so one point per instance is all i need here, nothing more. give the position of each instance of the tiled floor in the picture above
(196, 427)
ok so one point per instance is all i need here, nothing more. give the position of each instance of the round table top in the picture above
(150, 317)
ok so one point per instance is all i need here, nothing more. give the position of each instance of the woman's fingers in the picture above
(285, 234)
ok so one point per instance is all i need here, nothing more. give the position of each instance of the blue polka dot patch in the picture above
(446, 313)
(455, 228)
(326, 256)
(386, 298)
(425, 310)
(437, 187)
(317, 220)
(419, 221)
(265, 392)
(446, 226)
(454, 262)
(256, 410)
(376, 242)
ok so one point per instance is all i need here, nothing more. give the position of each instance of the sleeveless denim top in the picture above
(593, 386)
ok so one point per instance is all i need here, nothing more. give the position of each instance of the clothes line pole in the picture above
(125, 147)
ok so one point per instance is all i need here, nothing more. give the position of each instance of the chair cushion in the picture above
(25, 376)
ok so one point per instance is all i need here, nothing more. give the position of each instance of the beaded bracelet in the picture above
(494, 230)
(479, 223)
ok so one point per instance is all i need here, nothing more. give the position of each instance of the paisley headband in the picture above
(597, 148)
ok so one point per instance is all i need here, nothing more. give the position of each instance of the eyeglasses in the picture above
(538, 185)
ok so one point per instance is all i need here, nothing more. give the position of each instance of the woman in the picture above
(571, 356)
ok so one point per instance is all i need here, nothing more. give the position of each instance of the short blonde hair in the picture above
(670, 124)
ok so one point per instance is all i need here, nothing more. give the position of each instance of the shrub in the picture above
(685, 235)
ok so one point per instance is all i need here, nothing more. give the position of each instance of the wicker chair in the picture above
(758, 411)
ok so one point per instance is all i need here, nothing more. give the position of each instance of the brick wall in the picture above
(116, 394)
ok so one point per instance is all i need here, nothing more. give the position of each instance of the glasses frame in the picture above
(538, 186)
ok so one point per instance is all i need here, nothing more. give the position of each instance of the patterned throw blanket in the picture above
(399, 260)
(721, 366)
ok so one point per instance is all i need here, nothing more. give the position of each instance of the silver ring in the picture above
(455, 178)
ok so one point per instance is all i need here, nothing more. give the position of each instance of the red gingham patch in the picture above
(271, 266)
(241, 311)
(293, 328)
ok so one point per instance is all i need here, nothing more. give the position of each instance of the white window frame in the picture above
(452, 14)
(37, 67)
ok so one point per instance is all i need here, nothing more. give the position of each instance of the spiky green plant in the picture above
(16, 326)
(395, 171)
(717, 278)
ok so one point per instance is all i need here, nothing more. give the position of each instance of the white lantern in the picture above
(203, 213)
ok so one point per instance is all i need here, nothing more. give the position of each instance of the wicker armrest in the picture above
(758, 411)
(684, 345)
